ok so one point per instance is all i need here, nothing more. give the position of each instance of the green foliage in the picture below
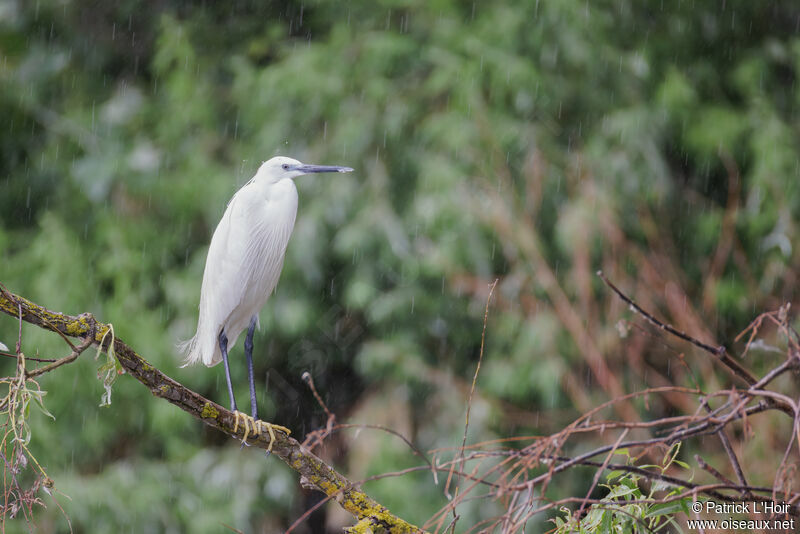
(627, 508)
(510, 139)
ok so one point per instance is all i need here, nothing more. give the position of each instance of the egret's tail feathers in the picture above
(189, 349)
(200, 349)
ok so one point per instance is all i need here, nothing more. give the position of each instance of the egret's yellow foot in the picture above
(261, 425)
(247, 422)
(257, 427)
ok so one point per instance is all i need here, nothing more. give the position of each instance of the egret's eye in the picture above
(285, 166)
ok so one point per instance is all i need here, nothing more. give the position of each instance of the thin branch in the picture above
(87, 342)
(603, 467)
(492, 286)
(720, 352)
(310, 381)
(318, 436)
(28, 358)
(388, 430)
(711, 469)
(726, 444)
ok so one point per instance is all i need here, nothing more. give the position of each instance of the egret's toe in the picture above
(247, 422)
(257, 427)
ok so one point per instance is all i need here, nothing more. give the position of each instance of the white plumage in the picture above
(246, 256)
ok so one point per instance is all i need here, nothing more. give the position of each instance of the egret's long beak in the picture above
(308, 169)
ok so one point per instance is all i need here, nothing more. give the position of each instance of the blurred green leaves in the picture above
(598, 131)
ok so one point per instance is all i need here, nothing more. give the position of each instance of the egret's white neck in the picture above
(280, 190)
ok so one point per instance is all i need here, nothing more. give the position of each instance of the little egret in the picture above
(244, 263)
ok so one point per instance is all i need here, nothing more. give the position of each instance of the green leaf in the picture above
(621, 491)
(614, 474)
(37, 398)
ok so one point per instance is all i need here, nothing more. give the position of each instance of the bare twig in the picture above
(28, 358)
(382, 428)
(472, 390)
(315, 438)
(87, 342)
(603, 467)
(726, 444)
(720, 352)
(310, 381)
(711, 469)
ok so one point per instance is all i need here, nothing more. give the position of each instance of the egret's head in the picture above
(280, 168)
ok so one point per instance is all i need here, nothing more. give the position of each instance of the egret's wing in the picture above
(223, 286)
(243, 266)
(219, 294)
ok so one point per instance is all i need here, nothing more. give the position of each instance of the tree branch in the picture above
(315, 473)
(87, 342)
(720, 352)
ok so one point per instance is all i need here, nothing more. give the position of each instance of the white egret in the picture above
(244, 263)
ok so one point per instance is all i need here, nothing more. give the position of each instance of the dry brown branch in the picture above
(315, 438)
(603, 467)
(87, 342)
(711, 469)
(720, 352)
(492, 287)
(39, 360)
(518, 472)
(313, 471)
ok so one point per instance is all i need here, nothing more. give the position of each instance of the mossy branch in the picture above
(315, 473)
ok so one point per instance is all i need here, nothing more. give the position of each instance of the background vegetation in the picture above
(530, 142)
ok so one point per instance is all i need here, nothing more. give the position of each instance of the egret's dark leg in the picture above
(223, 346)
(248, 351)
